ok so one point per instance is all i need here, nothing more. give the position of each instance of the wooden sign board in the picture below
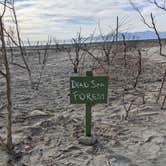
(88, 90)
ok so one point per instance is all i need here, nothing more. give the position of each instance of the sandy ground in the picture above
(46, 128)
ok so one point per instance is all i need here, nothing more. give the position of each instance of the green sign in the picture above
(88, 90)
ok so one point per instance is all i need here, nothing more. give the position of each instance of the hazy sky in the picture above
(63, 18)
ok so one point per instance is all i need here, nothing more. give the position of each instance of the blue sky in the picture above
(39, 19)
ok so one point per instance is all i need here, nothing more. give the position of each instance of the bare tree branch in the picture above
(157, 34)
(141, 15)
(5, 4)
(158, 5)
(11, 38)
(4, 8)
(16, 64)
(127, 109)
(3, 74)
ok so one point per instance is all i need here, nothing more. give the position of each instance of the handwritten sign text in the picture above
(88, 89)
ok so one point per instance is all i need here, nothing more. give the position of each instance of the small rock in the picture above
(71, 148)
(115, 142)
(38, 113)
(119, 160)
(158, 140)
(27, 148)
(87, 140)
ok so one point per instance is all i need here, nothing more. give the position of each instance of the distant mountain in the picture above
(145, 35)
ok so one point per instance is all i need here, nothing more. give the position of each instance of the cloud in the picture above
(40, 18)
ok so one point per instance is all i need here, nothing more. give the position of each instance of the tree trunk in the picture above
(8, 87)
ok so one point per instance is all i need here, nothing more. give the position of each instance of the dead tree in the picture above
(164, 77)
(10, 43)
(139, 68)
(18, 43)
(77, 50)
(117, 28)
(152, 25)
(124, 49)
(10, 6)
(161, 87)
(157, 34)
(127, 109)
(57, 46)
(6, 75)
(161, 5)
(38, 52)
(45, 58)
(108, 43)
